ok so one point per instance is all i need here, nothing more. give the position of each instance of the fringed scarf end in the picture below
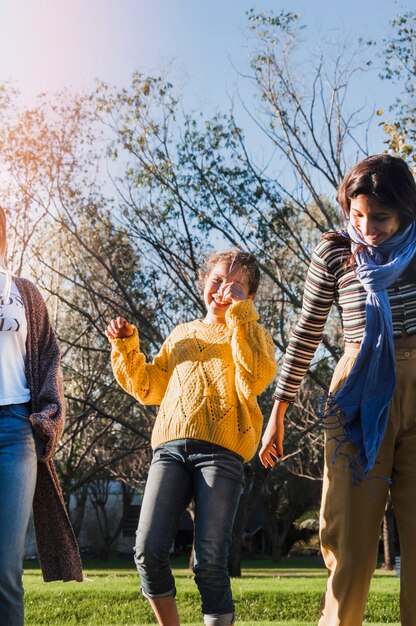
(333, 418)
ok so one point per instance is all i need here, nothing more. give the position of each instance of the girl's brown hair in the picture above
(234, 256)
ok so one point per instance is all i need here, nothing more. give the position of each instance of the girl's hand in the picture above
(232, 292)
(119, 329)
(272, 440)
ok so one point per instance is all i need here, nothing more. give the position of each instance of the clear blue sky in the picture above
(48, 44)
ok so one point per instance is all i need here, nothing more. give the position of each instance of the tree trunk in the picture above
(191, 511)
(108, 531)
(77, 513)
(388, 537)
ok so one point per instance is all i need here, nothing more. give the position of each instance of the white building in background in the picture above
(90, 538)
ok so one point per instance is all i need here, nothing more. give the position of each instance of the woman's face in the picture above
(374, 221)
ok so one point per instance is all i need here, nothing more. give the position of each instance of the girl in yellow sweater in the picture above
(205, 378)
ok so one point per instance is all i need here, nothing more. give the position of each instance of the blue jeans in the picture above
(18, 466)
(213, 476)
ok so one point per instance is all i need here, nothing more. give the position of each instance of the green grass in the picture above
(266, 595)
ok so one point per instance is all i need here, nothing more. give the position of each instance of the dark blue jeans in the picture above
(213, 476)
(18, 467)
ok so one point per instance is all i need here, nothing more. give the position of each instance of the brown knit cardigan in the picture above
(57, 547)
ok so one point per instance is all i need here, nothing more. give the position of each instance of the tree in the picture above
(117, 195)
(398, 55)
(109, 525)
(61, 225)
(187, 180)
(389, 536)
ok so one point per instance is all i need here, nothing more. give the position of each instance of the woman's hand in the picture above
(272, 440)
(119, 328)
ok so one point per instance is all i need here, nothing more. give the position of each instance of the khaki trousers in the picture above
(351, 515)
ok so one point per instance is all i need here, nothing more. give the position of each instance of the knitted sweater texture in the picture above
(205, 378)
(57, 547)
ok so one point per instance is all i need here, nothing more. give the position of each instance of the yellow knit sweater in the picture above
(206, 378)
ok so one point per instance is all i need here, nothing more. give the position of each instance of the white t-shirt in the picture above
(13, 332)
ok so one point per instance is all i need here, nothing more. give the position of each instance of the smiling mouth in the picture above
(371, 237)
(219, 302)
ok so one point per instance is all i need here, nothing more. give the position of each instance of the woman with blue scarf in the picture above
(369, 270)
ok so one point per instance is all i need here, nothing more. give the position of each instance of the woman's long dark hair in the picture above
(390, 181)
(386, 178)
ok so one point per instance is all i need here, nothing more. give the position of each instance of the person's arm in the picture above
(253, 349)
(48, 406)
(147, 382)
(318, 297)
(272, 440)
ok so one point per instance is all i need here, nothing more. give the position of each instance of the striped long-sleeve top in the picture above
(330, 279)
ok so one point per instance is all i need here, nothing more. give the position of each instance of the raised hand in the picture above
(119, 328)
(232, 292)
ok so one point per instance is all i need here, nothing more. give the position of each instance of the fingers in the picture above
(114, 326)
(269, 455)
(118, 328)
(232, 292)
(268, 458)
(223, 298)
(223, 293)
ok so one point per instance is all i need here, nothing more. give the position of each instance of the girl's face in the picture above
(224, 285)
(374, 221)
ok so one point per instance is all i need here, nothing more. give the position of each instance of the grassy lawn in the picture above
(266, 595)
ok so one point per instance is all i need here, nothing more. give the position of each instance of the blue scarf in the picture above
(365, 397)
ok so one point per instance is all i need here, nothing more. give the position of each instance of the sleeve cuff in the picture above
(276, 396)
(241, 312)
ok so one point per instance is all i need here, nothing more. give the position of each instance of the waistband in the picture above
(405, 354)
(402, 354)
